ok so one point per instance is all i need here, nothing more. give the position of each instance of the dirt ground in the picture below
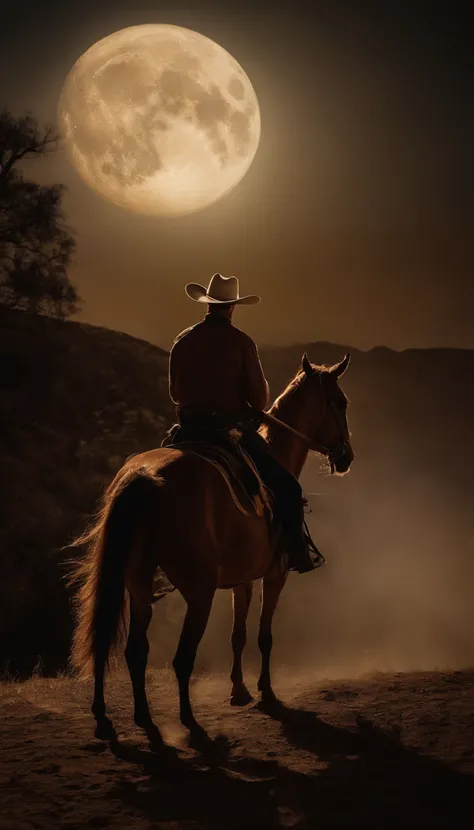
(385, 751)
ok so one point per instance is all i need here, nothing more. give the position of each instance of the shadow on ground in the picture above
(370, 780)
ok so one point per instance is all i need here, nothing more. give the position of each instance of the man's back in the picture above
(215, 370)
(215, 366)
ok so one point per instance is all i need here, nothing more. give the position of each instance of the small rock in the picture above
(326, 695)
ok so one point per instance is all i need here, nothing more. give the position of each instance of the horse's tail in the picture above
(100, 601)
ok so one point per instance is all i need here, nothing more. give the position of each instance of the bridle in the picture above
(334, 452)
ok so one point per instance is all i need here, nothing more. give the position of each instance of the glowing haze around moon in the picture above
(159, 119)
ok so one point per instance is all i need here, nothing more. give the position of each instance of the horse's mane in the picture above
(284, 400)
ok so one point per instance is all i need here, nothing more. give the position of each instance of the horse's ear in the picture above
(339, 369)
(306, 365)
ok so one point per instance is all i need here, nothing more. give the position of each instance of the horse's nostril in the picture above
(344, 462)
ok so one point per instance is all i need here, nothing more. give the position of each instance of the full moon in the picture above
(159, 119)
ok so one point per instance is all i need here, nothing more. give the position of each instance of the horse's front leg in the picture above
(242, 596)
(271, 590)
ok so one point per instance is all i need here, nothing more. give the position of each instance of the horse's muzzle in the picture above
(341, 461)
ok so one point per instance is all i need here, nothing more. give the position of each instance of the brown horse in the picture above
(168, 508)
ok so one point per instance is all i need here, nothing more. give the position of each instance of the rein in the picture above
(312, 445)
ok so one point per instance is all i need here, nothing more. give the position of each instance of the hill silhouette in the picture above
(76, 400)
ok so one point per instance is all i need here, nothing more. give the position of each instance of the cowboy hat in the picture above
(220, 290)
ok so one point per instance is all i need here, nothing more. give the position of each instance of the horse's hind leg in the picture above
(136, 655)
(242, 596)
(195, 621)
(104, 728)
(271, 590)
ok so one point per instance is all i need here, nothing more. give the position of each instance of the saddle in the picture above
(246, 487)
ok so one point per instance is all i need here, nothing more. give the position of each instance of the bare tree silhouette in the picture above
(35, 243)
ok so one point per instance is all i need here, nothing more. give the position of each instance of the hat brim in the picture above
(199, 294)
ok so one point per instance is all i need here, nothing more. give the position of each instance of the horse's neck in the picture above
(287, 449)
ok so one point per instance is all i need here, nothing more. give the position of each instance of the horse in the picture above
(168, 508)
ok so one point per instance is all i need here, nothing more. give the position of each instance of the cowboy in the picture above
(217, 382)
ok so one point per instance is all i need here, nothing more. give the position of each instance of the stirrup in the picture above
(316, 555)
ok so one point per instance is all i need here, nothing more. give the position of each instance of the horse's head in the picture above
(329, 405)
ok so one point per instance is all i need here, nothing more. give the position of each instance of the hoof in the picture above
(154, 735)
(104, 730)
(240, 696)
(144, 721)
(202, 742)
(198, 737)
(269, 697)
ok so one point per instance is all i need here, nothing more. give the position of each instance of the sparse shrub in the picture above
(35, 244)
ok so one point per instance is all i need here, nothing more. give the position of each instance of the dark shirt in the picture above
(215, 366)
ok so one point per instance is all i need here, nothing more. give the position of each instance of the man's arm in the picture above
(175, 363)
(256, 387)
(172, 376)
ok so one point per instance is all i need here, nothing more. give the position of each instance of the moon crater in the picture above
(159, 119)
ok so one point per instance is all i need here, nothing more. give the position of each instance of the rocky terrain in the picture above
(384, 751)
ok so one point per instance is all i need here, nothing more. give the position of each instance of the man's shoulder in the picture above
(242, 336)
(183, 334)
(237, 334)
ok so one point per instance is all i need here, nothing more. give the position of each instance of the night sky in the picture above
(355, 220)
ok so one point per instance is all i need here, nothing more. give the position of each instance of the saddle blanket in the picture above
(245, 485)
